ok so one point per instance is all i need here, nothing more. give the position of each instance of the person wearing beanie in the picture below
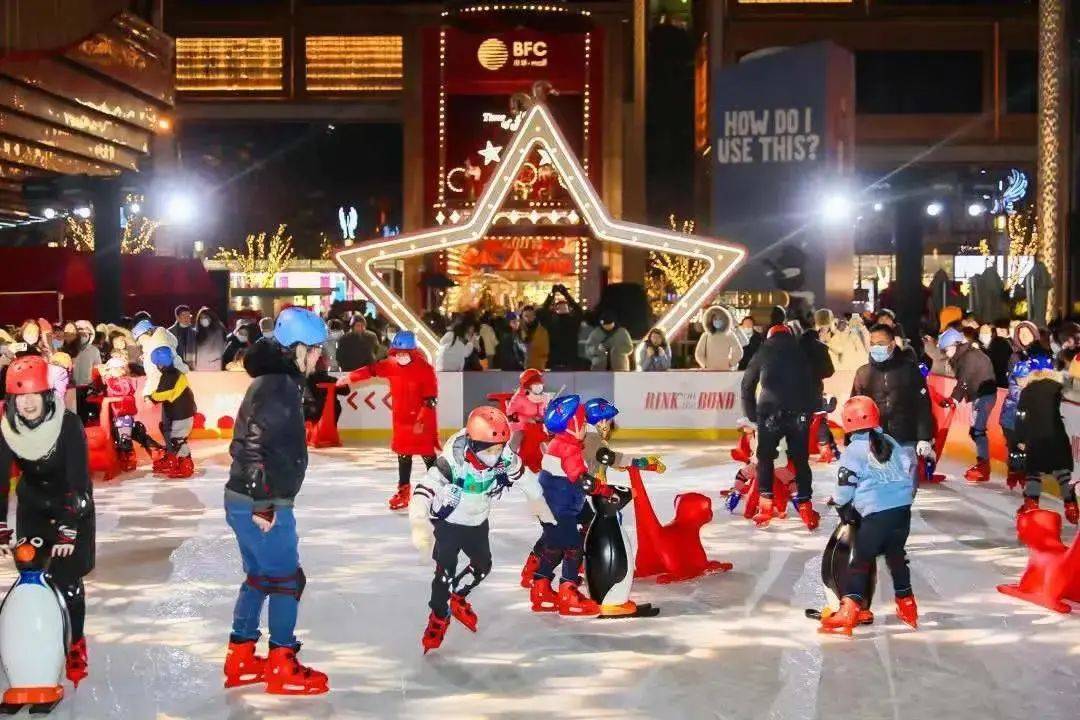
(609, 346)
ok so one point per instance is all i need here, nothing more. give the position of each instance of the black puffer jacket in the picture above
(1040, 427)
(269, 450)
(899, 389)
(55, 486)
(785, 376)
(974, 374)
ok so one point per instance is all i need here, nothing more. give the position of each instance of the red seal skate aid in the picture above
(782, 479)
(1053, 571)
(323, 433)
(814, 447)
(943, 418)
(101, 452)
(742, 452)
(672, 551)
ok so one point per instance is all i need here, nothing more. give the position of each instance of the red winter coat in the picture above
(410, 386)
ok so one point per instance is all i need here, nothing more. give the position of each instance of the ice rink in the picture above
(727, 646)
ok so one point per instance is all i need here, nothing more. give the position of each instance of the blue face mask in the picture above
(880, 353)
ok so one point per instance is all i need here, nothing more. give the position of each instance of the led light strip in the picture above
(538, 128)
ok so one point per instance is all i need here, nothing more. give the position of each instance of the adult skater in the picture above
(414, 390)
(450, 508)
(898, 388)
(875, 484)
(789, 397)
(56, 498)
(1041, 436)
(269, 459)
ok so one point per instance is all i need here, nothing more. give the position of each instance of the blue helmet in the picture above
(162, 357)
(1021, 369)
(1040, 362)
(950, 337)
(403, 340)
(599, 409)
(560, 412)
(141, 328)
(296, 325)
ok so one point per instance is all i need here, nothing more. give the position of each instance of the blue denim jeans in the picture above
(980, 416)
(272, 564)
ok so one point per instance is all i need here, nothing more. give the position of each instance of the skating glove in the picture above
(588, 483)
(431, 401)
(65, 541)
(423, 538)
(605, 456)
(924, 449)
(5, 539)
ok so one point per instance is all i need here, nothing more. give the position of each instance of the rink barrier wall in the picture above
(673, 405)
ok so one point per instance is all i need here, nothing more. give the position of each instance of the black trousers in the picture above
(66, 573)
(404, 467)
(450, 541)
(881, 533)
(795, 428)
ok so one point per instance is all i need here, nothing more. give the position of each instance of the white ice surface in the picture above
(728, 646)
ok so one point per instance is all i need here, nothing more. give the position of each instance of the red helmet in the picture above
(27, 375)
(860, 413)
(488, 425)
(777, 329)
(530, 377)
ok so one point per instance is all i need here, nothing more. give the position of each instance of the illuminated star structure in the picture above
(538, 129)
(490, 153)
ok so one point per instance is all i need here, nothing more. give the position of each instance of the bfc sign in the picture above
(493, 54)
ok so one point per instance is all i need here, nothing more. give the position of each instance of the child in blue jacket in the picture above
(876, 489)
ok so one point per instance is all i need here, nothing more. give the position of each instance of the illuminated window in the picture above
(353, 63)
(225, 64)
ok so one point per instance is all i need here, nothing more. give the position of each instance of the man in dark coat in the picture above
(561, 315)
(898, 387)
(1000, 351)
(359, 347)
(782, 411)
(184, 332)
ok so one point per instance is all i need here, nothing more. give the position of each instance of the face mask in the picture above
(950, 351)
(57, 343)
(336, 334)
(242, 337)
(490, 456)
(119, 344)
(269, 334)
(205, 322)
(403, 358)
(536, 388)
(880, 353)
(985, 338)
(84, 339)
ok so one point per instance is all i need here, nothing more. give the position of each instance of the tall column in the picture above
(908, 236)
(1051, 140)
(108, 287)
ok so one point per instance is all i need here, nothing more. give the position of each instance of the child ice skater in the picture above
(874, 482)
(177, 415)
(1040, 434)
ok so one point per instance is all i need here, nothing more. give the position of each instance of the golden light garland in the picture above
(260, 261)
(138, 237)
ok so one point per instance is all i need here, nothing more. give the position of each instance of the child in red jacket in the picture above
(414, 391)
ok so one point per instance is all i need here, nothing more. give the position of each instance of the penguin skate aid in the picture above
(55, 495)
(875, 489)
(269, 460)
(449, 512)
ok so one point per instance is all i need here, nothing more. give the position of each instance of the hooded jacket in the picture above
(1012, 396)
(269, 445)
(159, 337)
(414, 390)
(899, 389)
(1040, 427)
(974, 374)
(609, 350)
(782, 373)
(718, 348)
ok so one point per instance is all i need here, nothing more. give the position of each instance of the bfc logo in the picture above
(494, 54)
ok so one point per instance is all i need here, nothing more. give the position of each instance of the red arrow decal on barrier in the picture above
(367, 400)
(351, 399)
(386, 401)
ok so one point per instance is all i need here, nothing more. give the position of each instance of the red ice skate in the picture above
(573, 604)
(1030, 503)
(78, 667)
(543, 598)
(286, 676)
(128, 461)
(908, 611)
(463, 612)
(532, 564)
(828, 455)
(243, 666)
(400, 500)
(765, 512)
(843, 620)
(165, 464)
(434, 632)
(185, 468)
(810, 517)
(979, 472)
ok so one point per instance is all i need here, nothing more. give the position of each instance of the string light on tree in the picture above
(260, 261)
